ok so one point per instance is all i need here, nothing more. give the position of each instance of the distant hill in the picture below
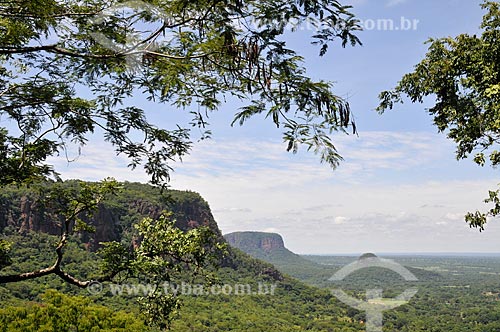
(258, 243)
(313, 270)
(270, 248)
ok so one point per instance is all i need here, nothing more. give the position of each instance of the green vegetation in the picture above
(454, 293)
(294, 306)
(148, 247)
(59, 312)
(69, 69)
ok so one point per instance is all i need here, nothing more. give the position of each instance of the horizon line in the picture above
(429, 253)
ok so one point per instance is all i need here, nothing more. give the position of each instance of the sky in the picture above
(400, 188)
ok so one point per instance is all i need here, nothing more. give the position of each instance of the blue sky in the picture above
(400, 188)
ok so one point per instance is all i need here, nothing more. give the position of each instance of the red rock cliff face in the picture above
(271, 243)
(32, 216)
(26, 214)
(188, 214)
(251, 241)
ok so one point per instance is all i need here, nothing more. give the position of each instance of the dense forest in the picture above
(455, 293)
(110, 256)
(51, 304)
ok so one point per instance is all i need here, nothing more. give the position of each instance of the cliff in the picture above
(255, 241)
(22, 210)
(266, 246)
(270, 248)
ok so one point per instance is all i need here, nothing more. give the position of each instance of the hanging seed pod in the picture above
(347, 115)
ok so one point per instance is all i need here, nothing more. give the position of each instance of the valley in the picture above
(455, 293)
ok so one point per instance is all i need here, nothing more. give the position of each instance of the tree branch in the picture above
(54, 48)
(64, 51)
(68, 14)
(54, 269)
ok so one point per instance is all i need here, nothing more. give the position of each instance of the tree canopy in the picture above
(152, 248)
(463, 74)
(69, 69)
(73, 69)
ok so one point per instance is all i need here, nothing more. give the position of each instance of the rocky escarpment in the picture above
(23, 211)
(255, 241)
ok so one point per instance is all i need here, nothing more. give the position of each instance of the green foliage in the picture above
(454, 293)
(59, 312)
(69, 202)
(32, 251)
(74, 199)
(458, 294)
(293, 307)
(165, 248)
(463, 75)
(149, 249)
(5, 259)
(165, 254)
(115, 257)
(70, 69)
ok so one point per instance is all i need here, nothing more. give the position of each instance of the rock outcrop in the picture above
(255, 241)
(23, 212)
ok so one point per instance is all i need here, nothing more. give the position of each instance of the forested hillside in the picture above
(39, 304)
(455, 294)
(23, 210)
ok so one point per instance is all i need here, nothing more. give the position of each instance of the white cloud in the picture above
(394, 192)
(97, 161)
(392, 150)
(455, 216)
(230, 210)
(392, 3)
(340, 220)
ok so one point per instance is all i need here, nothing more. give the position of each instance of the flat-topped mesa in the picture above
(249, 241)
